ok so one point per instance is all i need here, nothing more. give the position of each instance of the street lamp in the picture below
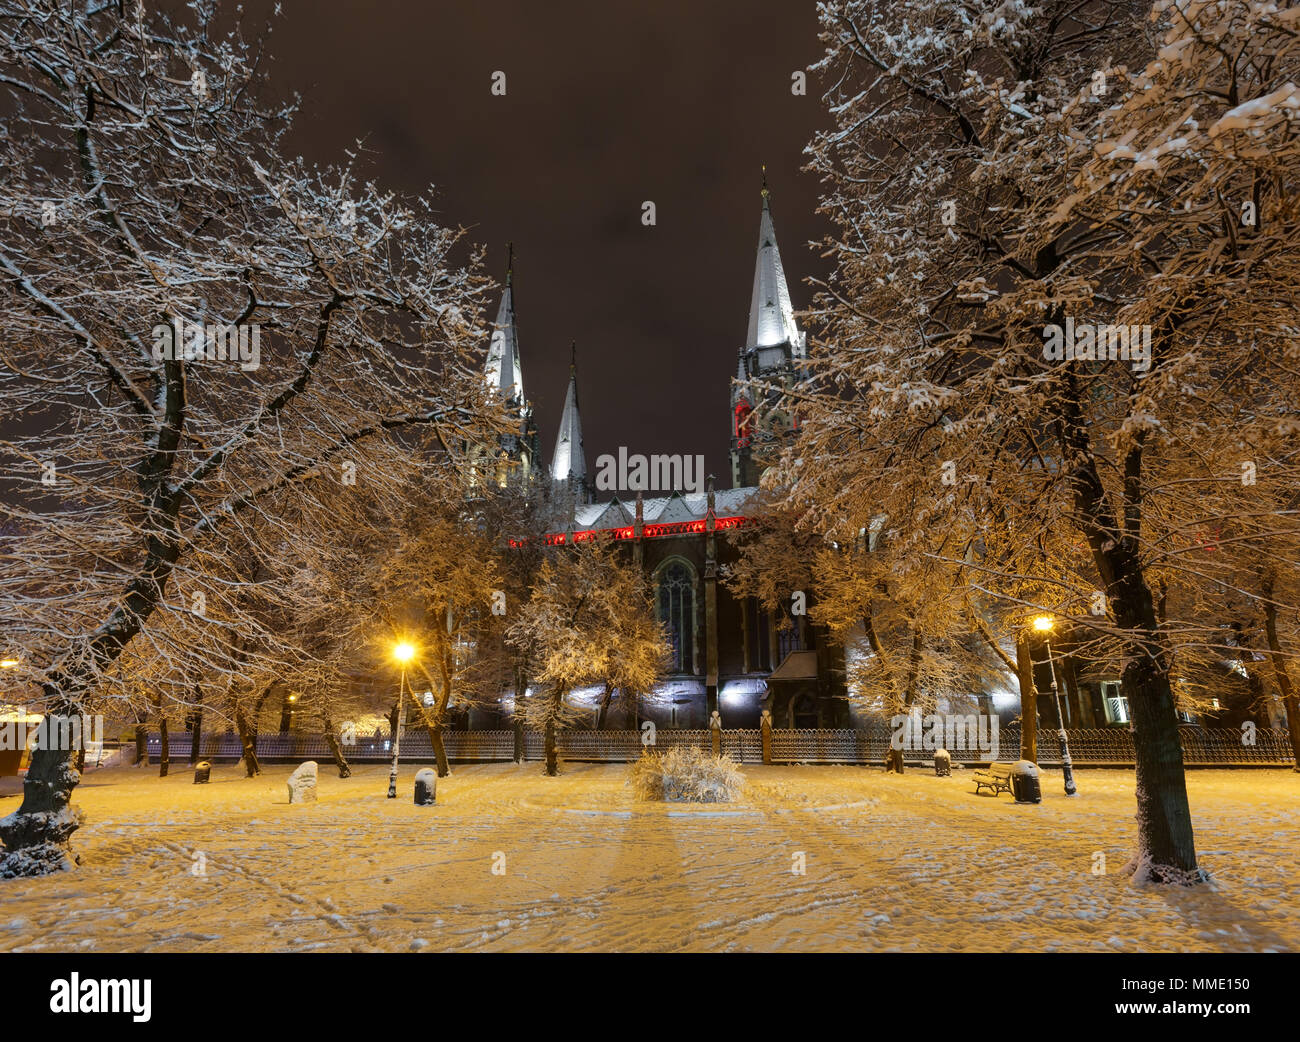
(403, 652)
(1043, 624)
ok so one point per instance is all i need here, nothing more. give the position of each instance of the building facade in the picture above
(728, 654)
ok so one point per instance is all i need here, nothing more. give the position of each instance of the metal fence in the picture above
(1095, 747)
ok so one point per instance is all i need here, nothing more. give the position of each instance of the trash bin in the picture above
(1025, 786)
(426, 787)
(942, 763)
(202, 772)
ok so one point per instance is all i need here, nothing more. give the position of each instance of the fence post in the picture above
(766, 724)
(715, 732)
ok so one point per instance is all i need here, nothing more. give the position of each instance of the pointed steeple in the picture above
(504, 373)
(771, 315)
(569, 463)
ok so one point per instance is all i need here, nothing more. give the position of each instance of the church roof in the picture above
(569, 461)
(771, 315)
(504, 373)
(692, 506)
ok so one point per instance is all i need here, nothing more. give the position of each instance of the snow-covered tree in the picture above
(206, 347)
(1002, 181)
(584, 603)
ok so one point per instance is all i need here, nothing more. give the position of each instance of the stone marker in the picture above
(302, 783)
(426, 787)
(202, 772)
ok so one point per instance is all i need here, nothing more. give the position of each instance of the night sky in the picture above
(607, 106)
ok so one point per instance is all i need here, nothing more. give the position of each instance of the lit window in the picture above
(1115, 703)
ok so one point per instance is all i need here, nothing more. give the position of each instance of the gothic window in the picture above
(676, 604)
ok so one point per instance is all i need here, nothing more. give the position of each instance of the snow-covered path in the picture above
(910, 863)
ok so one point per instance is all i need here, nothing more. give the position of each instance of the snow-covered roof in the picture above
(693, 506)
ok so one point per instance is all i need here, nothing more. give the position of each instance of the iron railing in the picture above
(1096, 747)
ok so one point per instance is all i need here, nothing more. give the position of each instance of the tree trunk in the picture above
(604, 707)
(433, 727)
(1166, 849)
(336, 750)
(521, 685)
(36, 836)
(1290, 701)
(255, 722)
(1028, 700)
(439, 750)
(164, 748)
(249, 742)
(1164, 816)
(551, 744)
(141, 743)
(196, 732)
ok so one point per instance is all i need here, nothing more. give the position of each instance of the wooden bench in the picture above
(997, 776)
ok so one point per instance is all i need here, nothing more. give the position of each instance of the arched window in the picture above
(676, 607)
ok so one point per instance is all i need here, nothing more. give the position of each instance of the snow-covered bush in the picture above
(688, 774)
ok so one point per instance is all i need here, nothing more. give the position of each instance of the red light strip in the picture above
(648, 532)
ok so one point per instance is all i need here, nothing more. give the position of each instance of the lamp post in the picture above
(1044, 625)
(403, 653)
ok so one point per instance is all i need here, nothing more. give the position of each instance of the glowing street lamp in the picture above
(403, 653)
(1043, 624)
(8, 663)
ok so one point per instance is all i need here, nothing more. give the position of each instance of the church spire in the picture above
(504, 372)
(771, 315)
(569, 463)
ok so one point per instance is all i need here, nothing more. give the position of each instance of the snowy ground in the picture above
(910, 863)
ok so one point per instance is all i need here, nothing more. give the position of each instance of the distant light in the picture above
(8, 663)
(403, 652)
(1043, 623)
(293, 698)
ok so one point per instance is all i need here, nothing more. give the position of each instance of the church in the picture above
(728, 654)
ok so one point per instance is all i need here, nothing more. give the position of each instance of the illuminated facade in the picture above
(728, 654)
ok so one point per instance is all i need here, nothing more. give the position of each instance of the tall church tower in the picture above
(768, 363)
(515, 457)
(569, 462)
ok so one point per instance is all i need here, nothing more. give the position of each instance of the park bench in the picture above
(997, 776)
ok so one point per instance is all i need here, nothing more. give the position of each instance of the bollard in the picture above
(942, 763)
(765, 724)
(715, 732)
(202, 772)
(426, 787)
(1025, 786)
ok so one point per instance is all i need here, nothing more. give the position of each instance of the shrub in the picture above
(686, 774)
